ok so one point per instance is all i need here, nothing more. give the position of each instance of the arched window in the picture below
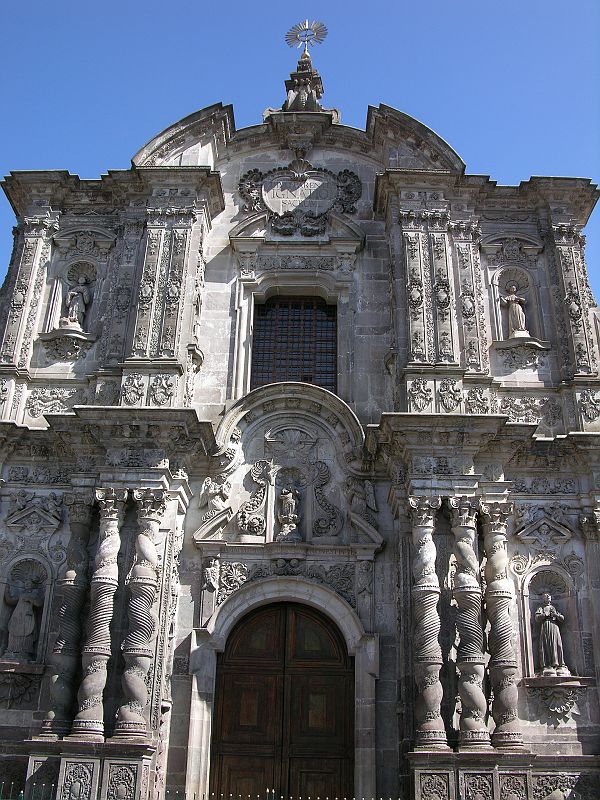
(295, 339)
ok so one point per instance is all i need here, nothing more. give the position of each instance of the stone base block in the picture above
(504, 776)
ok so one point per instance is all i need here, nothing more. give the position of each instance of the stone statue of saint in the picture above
(550, 646)
(287, 515)
(516, 315)
(78, 298)
(25, 596)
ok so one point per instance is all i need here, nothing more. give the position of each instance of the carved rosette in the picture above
(72, 587)
(89, 720)
(467, 593)
(138, 648)
(430, 732)
(498, 597)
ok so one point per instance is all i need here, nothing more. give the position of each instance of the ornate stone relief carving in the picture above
(586, 786)
(339, 577)
(249, 517)
(162, 389)
(133, 389)
(589, 403)
(531, 408)
(420, 394)
(555, 704)
(449, 394)
(17, 688)
(50, 401)
(476, 401)
(298, 197)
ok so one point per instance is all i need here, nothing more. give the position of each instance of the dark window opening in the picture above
(295, 339)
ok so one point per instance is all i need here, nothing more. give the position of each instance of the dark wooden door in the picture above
(284, 707)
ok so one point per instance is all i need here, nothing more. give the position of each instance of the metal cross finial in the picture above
(305, 33)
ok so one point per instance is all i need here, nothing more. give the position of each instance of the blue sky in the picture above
(513, 86)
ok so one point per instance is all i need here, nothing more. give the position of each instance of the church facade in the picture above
(300, 453)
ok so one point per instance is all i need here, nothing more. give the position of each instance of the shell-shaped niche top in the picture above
(306, 402)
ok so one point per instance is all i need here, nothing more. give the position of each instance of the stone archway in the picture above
(212, 639)
(284, 707)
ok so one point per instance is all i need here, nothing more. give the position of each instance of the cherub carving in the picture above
(214, 494)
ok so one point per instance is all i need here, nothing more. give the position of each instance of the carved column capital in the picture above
(463, 511)
(79, 505)
(495, 516)
(423, 510)
(151, 503)
(590, 524)
(111, 502)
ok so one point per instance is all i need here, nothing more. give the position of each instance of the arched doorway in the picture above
(284, 707)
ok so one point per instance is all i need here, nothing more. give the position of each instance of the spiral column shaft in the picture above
(89, 720)
(430, 731)
(467, 594)
(66, 652)
(498, 597)
(138, 648)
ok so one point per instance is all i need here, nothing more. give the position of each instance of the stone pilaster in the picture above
(572, 302)
(467, 593)
(470, 306)
(443, 300)
(138, 648)
(590, 524)
(66, 652)
(498, 597)
(430, 732)
(24, 305)
(89, 720)
(421, 341)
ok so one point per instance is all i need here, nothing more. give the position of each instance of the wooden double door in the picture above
(284, 710)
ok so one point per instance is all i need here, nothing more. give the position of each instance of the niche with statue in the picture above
(518, 340)
(71, 309)
(23, 604)
(556, 680)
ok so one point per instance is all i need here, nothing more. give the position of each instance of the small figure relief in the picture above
(287, 516)
(360, 496)
(214, 495)
(24, 593)
(517, 328)
(550, 644)
(77, 300)
(210, 575)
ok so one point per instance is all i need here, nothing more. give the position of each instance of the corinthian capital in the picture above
(111, 502)
(423, 510)
(79, 505)
(463, 511)
(151, 503)
(590, 524)
(495, 516)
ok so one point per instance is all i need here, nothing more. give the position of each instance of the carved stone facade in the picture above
(149, 500)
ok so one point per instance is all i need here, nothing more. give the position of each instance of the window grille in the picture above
(295, 339)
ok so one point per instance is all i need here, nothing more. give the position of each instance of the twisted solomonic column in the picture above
(138, 648)
(467, 593)
(498, 597)
(430, 731)
(89, 720)
(72, 587)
